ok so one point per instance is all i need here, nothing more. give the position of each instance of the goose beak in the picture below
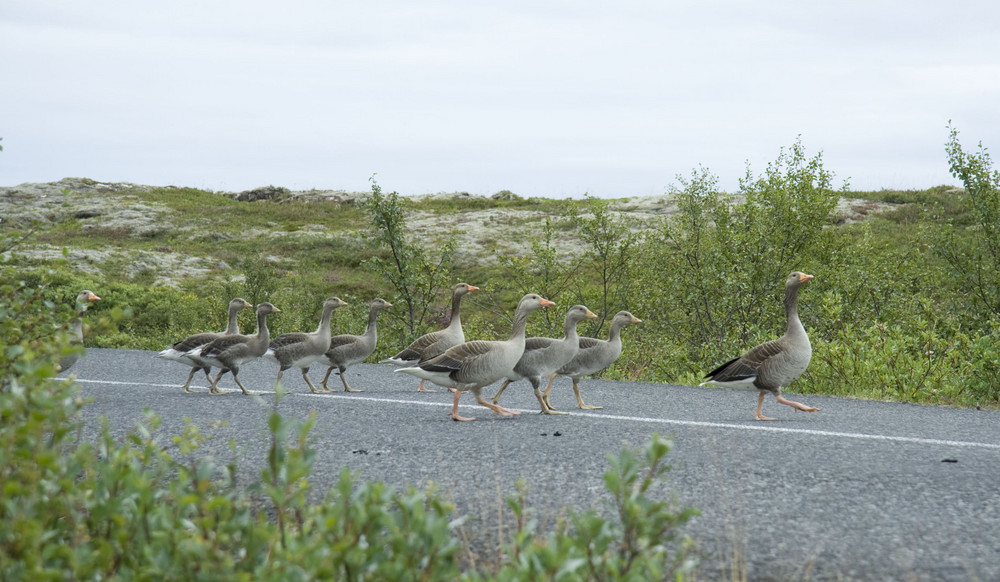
(547, 303)
(803, 277)
(591, 314)
(93, 297)
(636, 319)
(473, 288)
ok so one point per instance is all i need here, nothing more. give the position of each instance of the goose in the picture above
(229, 352)
(773, 364)
(594, 355)
(543, 356)
(300, 349)
(436, 343)
(83, 300)
(181, 351)
(473, 365)
(346, 349)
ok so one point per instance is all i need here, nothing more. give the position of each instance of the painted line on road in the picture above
(702, 424)
(640, 419)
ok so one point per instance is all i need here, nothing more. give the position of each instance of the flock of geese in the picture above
(446, 359)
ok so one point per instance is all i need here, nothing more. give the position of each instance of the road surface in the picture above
(860, 490)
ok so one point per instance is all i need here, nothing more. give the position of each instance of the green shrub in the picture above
(639, 543)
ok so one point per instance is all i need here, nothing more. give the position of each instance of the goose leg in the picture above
(325, 378)
(758, 414)
(240, 384)
(579, 400)
(546, 409)
(187, 385)
(496, 397)
(214, 387)
(421, 388)
(343, 378)
(796, 405)
(305, 376)
(495, 408)
(548, 395)
(454, 410)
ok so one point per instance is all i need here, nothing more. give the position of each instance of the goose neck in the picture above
(262, 330)
(324, 321)
(520, 323)
(456, 310)
(233, 326)
(372, 317)
(792, 309)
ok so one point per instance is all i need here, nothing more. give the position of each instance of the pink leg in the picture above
(797, 405)
(187, 385)
(758, 414)
(495, 408)
(454, 410)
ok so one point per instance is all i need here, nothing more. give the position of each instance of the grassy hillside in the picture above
(900, 308)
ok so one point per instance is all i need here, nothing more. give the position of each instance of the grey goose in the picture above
(476, 364)
(594, 355)
(544, 355)
(434, 344)
(229, 352)
(774, 364)
(300, 349)
(182, 351)
(347, 349)
(83, 300)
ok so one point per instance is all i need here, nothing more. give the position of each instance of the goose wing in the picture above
(748, 365)
(462, 356)
(287, 339)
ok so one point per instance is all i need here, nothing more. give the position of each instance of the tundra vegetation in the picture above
(905, 306)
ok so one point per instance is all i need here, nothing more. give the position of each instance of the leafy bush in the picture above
(718, 262)
(975, 260)
(415, 278)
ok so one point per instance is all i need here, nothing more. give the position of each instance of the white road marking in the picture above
(640, 419)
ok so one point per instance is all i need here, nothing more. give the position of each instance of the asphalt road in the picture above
(860, 490)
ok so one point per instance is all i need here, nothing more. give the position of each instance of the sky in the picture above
(543, 98)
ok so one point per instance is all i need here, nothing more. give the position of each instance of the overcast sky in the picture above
(551, 99)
